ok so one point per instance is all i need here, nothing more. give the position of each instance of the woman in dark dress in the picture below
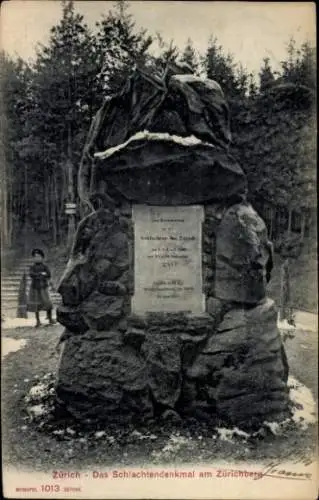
(39, 299)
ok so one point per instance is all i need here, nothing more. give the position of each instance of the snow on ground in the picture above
(303, 414)
(303, 321)
(304, 406)
(10, 323)
(306, 321)
(173, 445)
(284, 325)
(11, 345)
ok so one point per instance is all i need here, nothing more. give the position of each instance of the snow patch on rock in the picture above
(38, 391)
(37, 411)
(151, 136)
(230, 434)
(211, 84)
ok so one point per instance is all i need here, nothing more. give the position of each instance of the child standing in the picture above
(39, 299)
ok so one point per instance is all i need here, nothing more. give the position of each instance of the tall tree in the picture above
(266, 75)
(166, 52)
(64, 97)
(15, 77)
(190, 56)
(120, 46)
(300, 65)
(242, 81)
(252, 86)
(224, 70)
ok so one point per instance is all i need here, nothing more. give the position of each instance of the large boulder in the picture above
(232, 367)
(97, 281)
(132, 366)
(160, 169)
(164, 141)
(243, 363)
(100, 377)
(243, 253)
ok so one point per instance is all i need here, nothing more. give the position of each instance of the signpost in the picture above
(70, 210)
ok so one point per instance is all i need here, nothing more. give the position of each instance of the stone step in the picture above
(9, 294)
(26, 265)
(10, 307)
(6, 293)
(18, 275)
(15, 291)
(9, 289)
(13, 281)
(10, 285)
(13, 307)
(16, 278)
(10, 312)
(9, 299)
(19, 271)
(12, 278)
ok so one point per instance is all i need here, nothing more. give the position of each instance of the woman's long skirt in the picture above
(39, 300)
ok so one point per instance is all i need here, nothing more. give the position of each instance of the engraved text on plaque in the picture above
(168, 259)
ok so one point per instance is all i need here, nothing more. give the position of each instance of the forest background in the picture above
(47, 106)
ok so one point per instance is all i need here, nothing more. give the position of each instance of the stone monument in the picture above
(164, 296)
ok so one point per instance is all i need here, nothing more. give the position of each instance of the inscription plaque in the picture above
(168, 259)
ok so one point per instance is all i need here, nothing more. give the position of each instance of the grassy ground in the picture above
(27, 445)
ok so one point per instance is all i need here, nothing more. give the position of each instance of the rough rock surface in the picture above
(100, 376)
(213, 217)
(244, 364)
(170, 149)
(158, 133)
(242, 254)
(227, 363)
(97, 282)
(148, 171)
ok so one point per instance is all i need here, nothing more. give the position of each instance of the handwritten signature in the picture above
(277, 470)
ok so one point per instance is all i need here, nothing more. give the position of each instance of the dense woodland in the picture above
(47, 107)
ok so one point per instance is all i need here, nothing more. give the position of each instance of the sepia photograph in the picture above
(159, 300)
